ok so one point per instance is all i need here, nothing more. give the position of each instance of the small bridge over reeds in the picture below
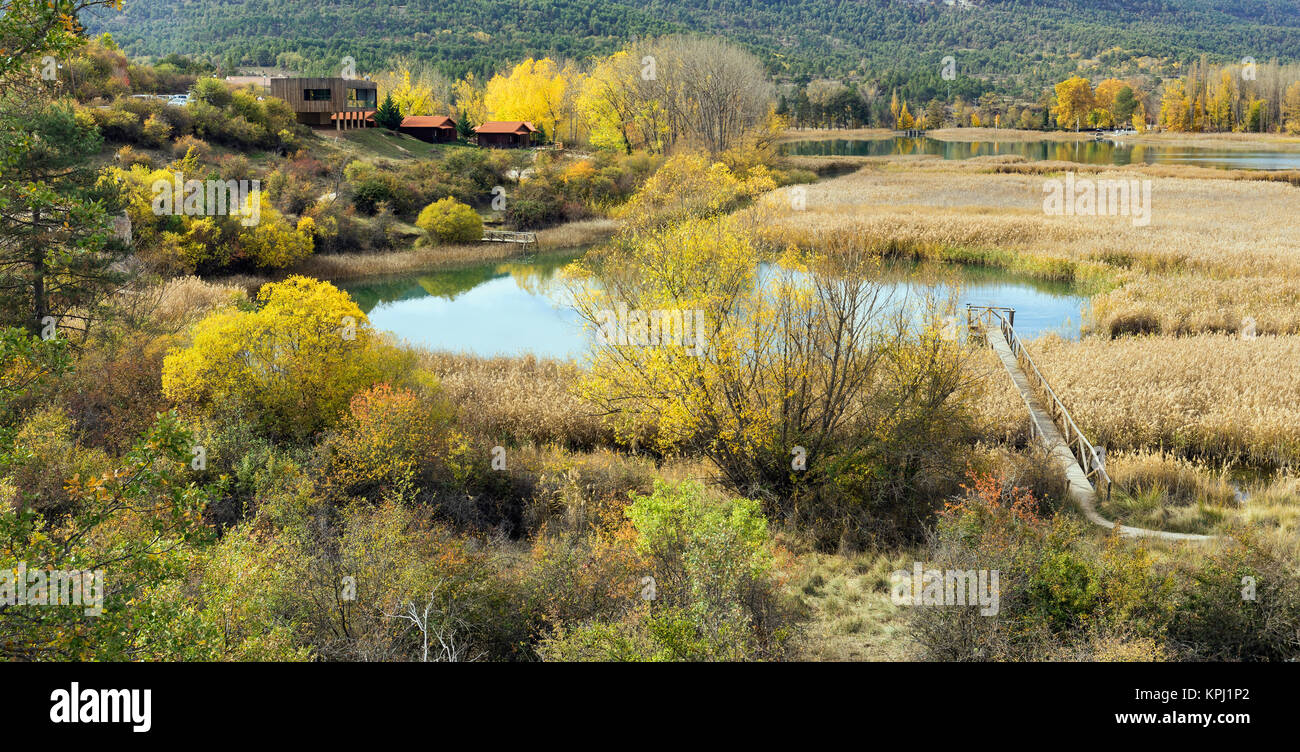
(510, 236)
(1052, 425)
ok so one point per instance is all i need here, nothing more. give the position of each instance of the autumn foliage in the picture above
(294, 362)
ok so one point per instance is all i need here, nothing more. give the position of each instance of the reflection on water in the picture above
(1084, 152)
(522, 307)
(493, 309)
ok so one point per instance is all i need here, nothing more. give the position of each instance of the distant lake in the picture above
(1083, 152)
(522, 307)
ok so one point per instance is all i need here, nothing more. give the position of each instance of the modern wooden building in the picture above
(505, 133)
(435, 129)
(341, 102)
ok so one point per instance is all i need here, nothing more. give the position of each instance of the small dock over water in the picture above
(527, 239)
(1052, 425)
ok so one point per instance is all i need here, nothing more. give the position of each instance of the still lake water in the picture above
(1084, 152)
(522, 307)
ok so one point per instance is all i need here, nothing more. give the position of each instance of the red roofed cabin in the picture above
(505, 133)
(432, 128)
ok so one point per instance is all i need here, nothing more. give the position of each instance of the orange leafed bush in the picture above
(388, 437)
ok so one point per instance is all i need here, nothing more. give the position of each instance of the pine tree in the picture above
(464, 126)
(57, 250)
(388, 115)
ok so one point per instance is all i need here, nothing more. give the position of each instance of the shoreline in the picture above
(354, 267)
(1272, 141)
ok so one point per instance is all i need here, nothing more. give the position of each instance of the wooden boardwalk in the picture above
(1085, 470)
(509, 236)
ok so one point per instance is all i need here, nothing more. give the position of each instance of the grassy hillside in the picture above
(1014, 41)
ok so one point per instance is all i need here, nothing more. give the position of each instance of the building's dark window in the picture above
(362, 98)
(315, 95)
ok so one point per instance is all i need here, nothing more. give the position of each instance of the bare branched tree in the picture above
(439, 626)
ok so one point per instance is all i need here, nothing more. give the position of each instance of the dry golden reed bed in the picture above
(356, 265)
(521, 399)
(1223, 243)
(1216, 397)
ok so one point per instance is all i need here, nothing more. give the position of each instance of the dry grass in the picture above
(830, 166)
(1181, 304)
(1165, 492)
(1271, 141)
(520, 400)
(577, 234)
(824, 134)
(1220, 226)
(1173, 493)
(1214, 397)
(1274, 506)
(341, 266)
(850, 614)
(188, 298)
(1004, 134)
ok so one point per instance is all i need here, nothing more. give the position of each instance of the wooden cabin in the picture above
(341, 102)
(505, 133)
(435, 129)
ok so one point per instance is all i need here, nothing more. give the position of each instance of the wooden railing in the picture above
(1091, 460)
(510, 236)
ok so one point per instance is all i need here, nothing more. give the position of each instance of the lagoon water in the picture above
(521, 307)
(1083, 152)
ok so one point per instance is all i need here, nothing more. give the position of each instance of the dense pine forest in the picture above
(1017, 44)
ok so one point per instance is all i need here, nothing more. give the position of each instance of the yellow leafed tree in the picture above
(1104, 95)
(536, 91)
(467, 94)
(611, 105)
(905, 119)
(695, 344)
(1074, 100)
(1291, 108)
(417, 91)
(1175, 107)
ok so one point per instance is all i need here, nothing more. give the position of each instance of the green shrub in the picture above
(1059, 596)
(530, 213)
(117, 124)
(707, 592)
(1223, 616)
(1065, 589)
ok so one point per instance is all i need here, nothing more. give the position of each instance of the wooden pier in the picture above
(510, 236)
(1052, 425)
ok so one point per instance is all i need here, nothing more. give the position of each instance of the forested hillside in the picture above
(1009, 41)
